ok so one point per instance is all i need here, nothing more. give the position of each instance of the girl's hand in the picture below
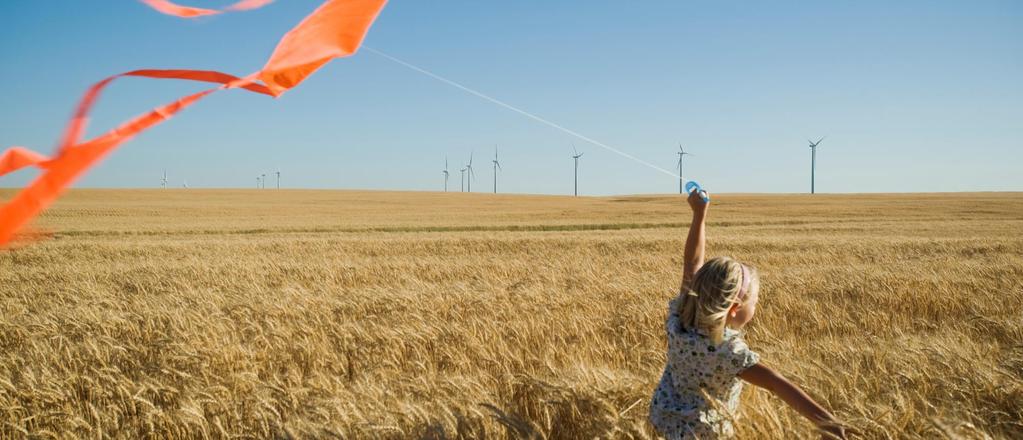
(833, 431)
(837, 430)
(696, 202)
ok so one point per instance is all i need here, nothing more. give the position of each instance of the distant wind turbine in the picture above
(264, 181)
(163, 183)
(472, 175)
(497, 166)
(257, 182)
(463, 178)
(446, 173)
(576, 157)
(813, 162)
(278, 179)
(184, 183)
(682, 153)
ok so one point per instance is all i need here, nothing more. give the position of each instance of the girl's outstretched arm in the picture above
(766, 378)
(696, 241)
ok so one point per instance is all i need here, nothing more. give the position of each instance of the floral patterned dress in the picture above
(698, 395)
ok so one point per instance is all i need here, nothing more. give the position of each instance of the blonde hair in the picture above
(712, 291)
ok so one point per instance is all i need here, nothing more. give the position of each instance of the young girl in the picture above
(698, 395)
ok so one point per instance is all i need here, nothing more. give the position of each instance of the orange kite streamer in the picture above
(16, 158)
(336, 29)
(170, 8)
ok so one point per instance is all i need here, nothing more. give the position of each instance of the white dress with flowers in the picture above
(698, 395)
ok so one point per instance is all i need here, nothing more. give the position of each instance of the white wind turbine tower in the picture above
(463, 178)
(472, 175)
(497, 166)
(257, 182)
(681, 154)
(184, 183)
(163, 183)
(576, 157)
(264, 180)
(278, 179)
(813, 162)
(446, 174)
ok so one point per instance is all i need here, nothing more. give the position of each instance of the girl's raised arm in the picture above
(696, 241)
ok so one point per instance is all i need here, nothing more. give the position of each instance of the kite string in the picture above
(520, 111)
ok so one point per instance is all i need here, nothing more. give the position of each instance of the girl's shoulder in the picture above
(731, 334)
(734, 348)
(734, 339)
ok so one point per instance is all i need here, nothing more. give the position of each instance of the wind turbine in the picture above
(278, 179)
(463, 178)
(163, 183)
(264, 180)
(446, 173)
(682, 153)
(184, 183)
(576, 157)
(497, 166)
(813, 161)
(472, 175)
(257, 182)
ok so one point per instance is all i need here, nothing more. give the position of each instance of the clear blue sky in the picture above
(913, 95)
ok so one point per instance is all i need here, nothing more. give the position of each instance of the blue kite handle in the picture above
(693, 186)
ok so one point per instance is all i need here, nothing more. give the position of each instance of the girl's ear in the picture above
(733, 309)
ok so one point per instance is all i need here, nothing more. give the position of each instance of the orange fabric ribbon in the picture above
(336, 29)
(171, 8)
(16, 158)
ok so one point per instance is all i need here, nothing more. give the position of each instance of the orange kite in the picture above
(336, 29)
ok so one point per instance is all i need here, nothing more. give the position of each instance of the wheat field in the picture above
(342, 314)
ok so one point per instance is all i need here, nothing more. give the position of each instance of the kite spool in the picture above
(693, 186)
